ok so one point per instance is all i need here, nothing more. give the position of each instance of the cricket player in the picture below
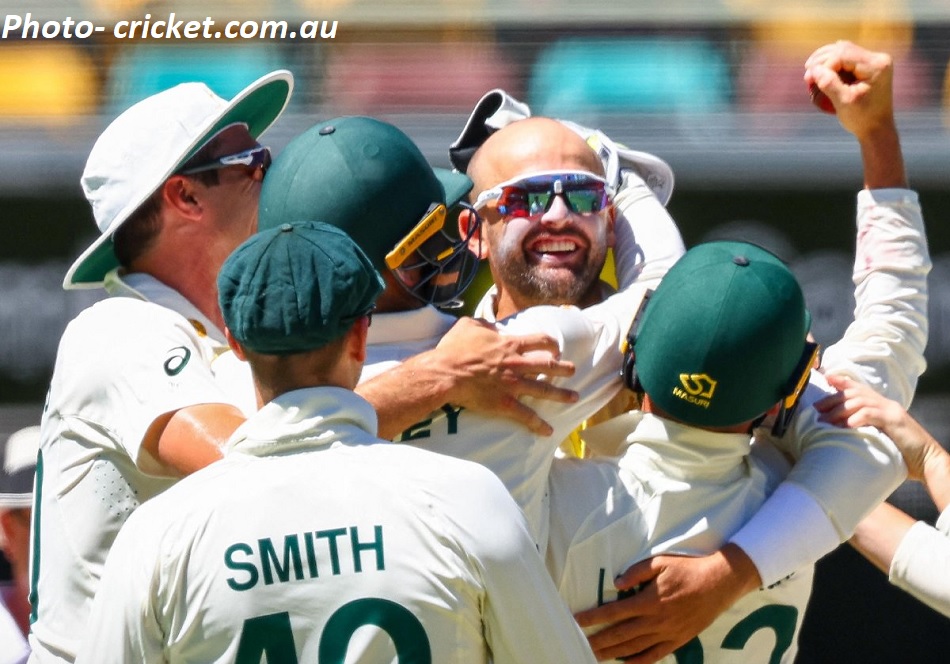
(884, 346)
(141, 392)
(314, 540)
(402, 228)
(134, 402)
(720, 343)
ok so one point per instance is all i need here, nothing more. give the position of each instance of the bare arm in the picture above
(864, 107)
(914, 555)
(880, 533)
(475, 367)
(857, 405)
(188, 439)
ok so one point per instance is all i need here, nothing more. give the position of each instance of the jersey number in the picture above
(779, 618)
(272, 635)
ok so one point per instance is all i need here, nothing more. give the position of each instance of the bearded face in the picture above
(553, 260)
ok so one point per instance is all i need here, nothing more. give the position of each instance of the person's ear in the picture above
(611, 224)
(356, 339)
(235, 345)
(476, 243)
(181, 194)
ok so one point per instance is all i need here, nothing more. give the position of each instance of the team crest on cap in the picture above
(696, 389)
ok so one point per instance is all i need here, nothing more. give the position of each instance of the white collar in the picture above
(488, 305)
(684, 452)
(305, 419)
(145, 287)
(405, 326)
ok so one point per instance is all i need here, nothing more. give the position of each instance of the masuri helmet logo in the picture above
(696, 389)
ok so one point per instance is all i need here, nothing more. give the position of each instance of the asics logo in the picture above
(177, 359)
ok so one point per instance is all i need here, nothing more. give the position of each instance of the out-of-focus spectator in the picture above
(17, 468)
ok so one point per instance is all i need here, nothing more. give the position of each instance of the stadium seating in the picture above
(392, 77)
(630, 75)
(47, 83)
(140, 70)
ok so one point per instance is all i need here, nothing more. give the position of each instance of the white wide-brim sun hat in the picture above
(149, 142)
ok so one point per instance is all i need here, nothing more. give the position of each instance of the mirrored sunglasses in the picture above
(255, 158)
(528, 196)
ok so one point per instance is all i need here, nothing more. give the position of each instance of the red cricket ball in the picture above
(821, 100)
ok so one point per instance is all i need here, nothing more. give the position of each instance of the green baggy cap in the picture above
(296, 288)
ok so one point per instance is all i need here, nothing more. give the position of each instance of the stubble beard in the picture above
(534, 284)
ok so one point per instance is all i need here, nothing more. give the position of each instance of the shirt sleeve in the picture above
(128, 364)
(647, 240)
(843, 472)
(525, 621)
(884, 346)
(921, 564)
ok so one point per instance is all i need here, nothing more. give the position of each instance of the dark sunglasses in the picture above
(255, 158)
(528, 196)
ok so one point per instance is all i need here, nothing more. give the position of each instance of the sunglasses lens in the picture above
(254, 158)
(585, 201)
(262, 160)
(538, 202)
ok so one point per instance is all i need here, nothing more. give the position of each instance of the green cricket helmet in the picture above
(723, 338)
(369, 179)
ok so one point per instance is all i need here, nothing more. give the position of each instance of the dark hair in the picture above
(139, 231)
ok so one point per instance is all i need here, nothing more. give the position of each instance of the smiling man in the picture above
(555, 261)
(807, 515)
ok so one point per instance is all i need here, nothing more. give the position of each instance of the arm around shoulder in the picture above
(475, 367)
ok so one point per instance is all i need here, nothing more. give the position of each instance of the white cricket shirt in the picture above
(313, 541)
(121, 363)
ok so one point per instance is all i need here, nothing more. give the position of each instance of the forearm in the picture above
(790, 531)
(937, 478)
(879, 534)
(882, 157)
(407, 393)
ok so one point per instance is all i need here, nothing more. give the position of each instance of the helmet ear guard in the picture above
(431, 263)
(795, 388)
(628, 370)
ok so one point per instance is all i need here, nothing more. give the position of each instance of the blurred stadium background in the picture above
(712, 86)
